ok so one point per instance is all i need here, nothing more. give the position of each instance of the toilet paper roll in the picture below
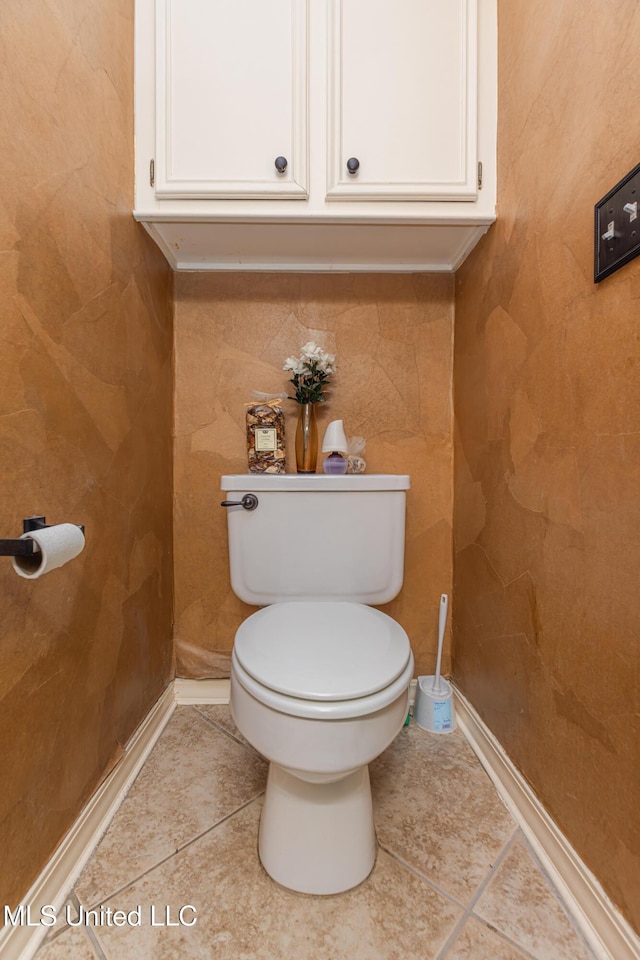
(57, 545)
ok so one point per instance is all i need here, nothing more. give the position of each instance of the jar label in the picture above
(266, 438)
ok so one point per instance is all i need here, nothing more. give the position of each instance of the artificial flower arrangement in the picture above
(311, 371)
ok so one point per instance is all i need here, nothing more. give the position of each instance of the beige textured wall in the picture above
(547, 399)
(392, 336)
(85, 413)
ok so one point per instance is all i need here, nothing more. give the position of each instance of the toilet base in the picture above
(317, 837)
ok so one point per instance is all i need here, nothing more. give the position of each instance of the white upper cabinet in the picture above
(231, 98)
(402, 104)
(248, 112)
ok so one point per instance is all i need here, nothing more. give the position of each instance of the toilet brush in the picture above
(433, 709)
(442, 620)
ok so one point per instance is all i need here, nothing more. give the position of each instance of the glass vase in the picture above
(307, 439)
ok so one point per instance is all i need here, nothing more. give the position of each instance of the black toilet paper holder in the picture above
(27, 547)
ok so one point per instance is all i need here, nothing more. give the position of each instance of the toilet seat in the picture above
(323, 660)
(322, 709)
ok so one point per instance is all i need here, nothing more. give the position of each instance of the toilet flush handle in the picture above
(249, 502)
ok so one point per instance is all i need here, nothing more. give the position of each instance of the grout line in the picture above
(95, 944)
(482, 886)
(241, 743)
(130, 883)
(96, 950)
(493, 869)
(556, 895)
(420, 876)
(507, 939)
(59, 931)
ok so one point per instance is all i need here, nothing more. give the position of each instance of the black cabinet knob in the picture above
(352, 165)
(281, 164)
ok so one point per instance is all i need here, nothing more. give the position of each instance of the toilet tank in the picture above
(317, 537)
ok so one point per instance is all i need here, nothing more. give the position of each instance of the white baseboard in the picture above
(201, 691)
(56, 881)
(600, 922)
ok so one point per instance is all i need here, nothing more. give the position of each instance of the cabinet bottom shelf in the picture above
(315, 247)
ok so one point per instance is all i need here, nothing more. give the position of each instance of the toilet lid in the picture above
(322, 651)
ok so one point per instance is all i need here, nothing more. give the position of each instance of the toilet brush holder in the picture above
(434, 708)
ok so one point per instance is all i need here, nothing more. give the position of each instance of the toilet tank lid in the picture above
(314, 481)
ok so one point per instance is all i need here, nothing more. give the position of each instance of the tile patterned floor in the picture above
(454, 878)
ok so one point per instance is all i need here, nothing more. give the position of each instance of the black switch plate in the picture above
(617, 226)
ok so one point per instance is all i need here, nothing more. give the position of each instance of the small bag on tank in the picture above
(265, 434)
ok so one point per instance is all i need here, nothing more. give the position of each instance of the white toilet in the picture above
(319, 679)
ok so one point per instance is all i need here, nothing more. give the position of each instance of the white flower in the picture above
(312, 353)
(295, 364)
(327, 362)
(310, 372)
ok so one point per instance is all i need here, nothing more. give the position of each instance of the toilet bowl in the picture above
(319, 678)
(320, 689)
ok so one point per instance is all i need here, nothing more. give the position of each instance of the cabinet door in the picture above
(402, 99)
(231, 98)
